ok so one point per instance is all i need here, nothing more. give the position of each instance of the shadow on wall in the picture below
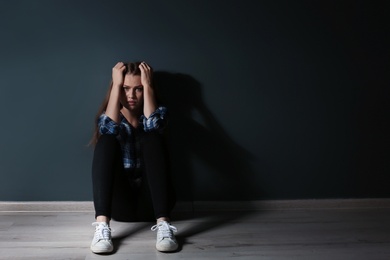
(202, 137)
(232, 177)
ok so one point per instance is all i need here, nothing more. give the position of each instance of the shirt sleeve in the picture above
(156, 121)
(107, 126)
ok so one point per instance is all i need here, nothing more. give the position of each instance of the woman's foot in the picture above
(101, 242)
(166, 241)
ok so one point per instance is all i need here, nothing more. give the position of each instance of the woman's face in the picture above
(133, 95)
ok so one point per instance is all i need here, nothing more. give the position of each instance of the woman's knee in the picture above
(107, 143)
(107, 147)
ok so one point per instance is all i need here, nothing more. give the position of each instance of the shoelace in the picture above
(164, 229)
(102, 232)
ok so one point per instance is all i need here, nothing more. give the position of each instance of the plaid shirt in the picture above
(127, 135)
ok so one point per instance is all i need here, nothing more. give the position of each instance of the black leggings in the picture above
(128, 195)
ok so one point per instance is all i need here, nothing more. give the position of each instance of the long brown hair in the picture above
(132, 68)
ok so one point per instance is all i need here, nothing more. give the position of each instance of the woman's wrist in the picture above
(147, 87)
(117, 85)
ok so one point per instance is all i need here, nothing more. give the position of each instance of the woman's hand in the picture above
(118, 74)
(113, 105)
(146, 75)
(146, 80)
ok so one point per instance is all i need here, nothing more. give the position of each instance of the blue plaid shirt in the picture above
(126, 134)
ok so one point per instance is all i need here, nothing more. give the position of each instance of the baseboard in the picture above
(46, 206)
(308, 204)
(198, 206)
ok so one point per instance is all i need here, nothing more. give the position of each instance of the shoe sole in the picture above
(163, 249)
(101, 251)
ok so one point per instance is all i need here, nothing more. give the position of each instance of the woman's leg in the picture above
(107, 162)
(161, 190)
(156, 173)
(106, 165)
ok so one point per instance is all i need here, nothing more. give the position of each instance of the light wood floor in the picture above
(294, 234)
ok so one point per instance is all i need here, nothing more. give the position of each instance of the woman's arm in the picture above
(150, 104)
(113, 106)
(156, 121)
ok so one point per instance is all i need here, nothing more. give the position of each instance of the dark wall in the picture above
(268, 99)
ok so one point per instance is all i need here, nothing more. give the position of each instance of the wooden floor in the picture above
(290, 234)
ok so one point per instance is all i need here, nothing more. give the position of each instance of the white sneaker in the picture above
(101, 242)
(166, 241)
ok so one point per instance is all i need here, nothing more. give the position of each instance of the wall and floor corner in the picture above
(268, 100)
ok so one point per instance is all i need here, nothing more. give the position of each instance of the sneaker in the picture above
(166, 241)
(101, 242)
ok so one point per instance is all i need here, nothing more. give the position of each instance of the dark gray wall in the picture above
(268, 99)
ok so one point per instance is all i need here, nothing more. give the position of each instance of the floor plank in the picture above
(291, 234)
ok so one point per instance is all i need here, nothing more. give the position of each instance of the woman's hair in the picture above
(132, 68)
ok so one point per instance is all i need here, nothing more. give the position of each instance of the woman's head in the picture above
(132, 68)
(132, 77)
(131, 97)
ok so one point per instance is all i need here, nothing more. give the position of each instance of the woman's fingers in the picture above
(145, 65)
(145, 68)
(117, 73)
(119, 65)
(146, 74)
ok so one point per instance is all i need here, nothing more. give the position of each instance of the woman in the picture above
(129, 152)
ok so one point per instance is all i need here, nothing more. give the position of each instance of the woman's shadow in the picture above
(194, 132)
